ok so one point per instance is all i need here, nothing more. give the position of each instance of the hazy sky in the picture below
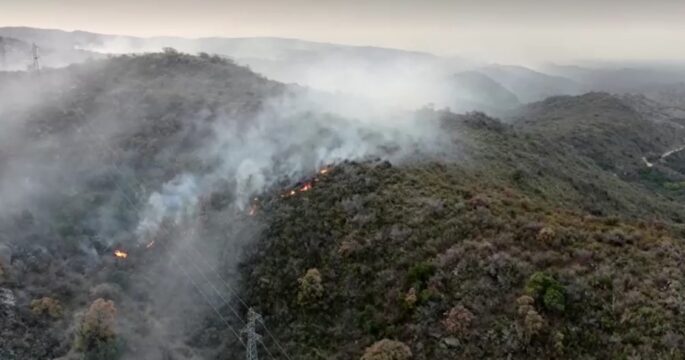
(507, 30)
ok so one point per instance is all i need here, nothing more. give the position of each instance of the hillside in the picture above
(530, 85)
(78, 165)
(602, 127)
(532, 248)
(474, 91)
(458, 265)
(153, 198)
(622, 136)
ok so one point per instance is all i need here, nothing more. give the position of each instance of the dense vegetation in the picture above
(542, 236)
(465, 261)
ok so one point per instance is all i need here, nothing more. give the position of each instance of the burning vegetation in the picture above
(299, 188)
(306, 185)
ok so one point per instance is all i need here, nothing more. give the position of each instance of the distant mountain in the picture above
(620, 77)
(530, 85)
(259, 47)
(390, 75)
(476, 91)
(662, 82)
(672, 94)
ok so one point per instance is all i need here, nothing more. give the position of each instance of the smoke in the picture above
(293, 136)
(176, 201)
(394, 78)
(127, 153)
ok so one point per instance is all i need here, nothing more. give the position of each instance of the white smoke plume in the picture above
(293, 136)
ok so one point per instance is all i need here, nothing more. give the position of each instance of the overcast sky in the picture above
(496, 30)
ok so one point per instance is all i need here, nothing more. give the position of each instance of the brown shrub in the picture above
(533, 322)
(525, 303)
(97, 326)
(458, 320)
(410, 298)
(348, 247)
(47, 306)
(387, 350)
(478, 201)
(546, 235)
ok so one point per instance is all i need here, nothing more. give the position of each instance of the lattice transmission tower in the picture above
(252, 337)
(3, 54)
(36, 59)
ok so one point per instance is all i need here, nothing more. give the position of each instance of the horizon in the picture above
(494, 30)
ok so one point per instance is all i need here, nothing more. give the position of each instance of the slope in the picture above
(491, 258)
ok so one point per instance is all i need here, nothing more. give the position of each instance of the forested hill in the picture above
(126, 232)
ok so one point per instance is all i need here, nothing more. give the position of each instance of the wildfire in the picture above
(150, 244)
(289, 193)
(306, 187)
(253, 210)
(120, 254)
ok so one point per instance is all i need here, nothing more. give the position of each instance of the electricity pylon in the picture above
(252, 336)
(36, 63)
(3, 54)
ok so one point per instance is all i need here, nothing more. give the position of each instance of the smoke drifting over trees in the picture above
(115, 154)
(148, 200)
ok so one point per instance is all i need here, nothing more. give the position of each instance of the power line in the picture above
(173, 258)
(252, 336)
(228, 301)
(235, 293)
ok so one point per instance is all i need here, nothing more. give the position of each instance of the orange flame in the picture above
(120, 254)
(150, 244)
(253, 210)
(324, 171)
(306, 187)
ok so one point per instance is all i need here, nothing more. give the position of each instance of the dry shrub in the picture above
(97, 326)
(348, 248)
(410, 298)
(525, 303)
(534, 322)
(478, 201)
(458, 320)
(311, 288)
(387, 350)
(47, 306)
(546, 235)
